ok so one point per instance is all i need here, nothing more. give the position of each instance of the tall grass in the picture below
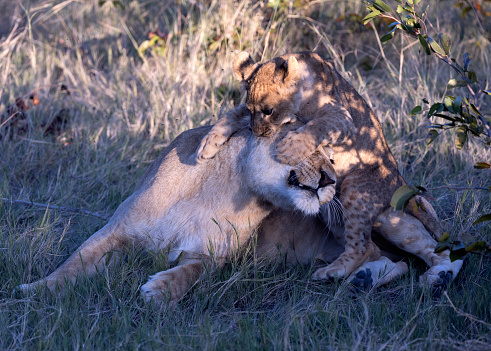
(85, 145)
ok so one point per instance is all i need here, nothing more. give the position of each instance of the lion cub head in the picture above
(304, 187)
(272, 93)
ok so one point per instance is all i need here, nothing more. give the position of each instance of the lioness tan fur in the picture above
(306, 87)
(194, 209)
(176, 203)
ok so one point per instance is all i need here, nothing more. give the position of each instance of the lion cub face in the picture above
(272, 93)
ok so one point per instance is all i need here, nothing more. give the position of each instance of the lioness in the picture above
(306, 87)
(195, 209)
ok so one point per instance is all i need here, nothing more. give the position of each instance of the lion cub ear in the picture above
(291, 68)
(244, 66)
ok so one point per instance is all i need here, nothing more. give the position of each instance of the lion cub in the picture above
(307, 88)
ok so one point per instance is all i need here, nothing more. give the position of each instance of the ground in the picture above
(103, 110)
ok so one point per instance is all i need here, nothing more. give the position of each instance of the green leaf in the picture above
(424, 44)
(454, 83)
(477, 246)
(472, 76)
(458, 245)
(118, 4)
(474, 108)
(482, 165)
(432, 135)
(402, 196)
(416, 111)
(441, 247)
(435, 108)
(444, 237)
(484, 218)
(388, 36)
(371, 16)
(448, 102)
(474, 126)
(460, 137)
(382, 6)
(436, 48)
(400, 9)
(446, 42)
(467, 61)
(465, 10)
(457, 254)
(487, 92)
(456, 104)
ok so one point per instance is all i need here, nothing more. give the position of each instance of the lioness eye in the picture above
(267, 112)
(332, 161)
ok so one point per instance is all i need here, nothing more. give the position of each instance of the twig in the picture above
(477, 16)
(53, 207)
(415, 33)
(378, 41)
(465, 314)
(458, 188)
(8, 119)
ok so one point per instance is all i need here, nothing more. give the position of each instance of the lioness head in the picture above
(305, 186)
(272, 93)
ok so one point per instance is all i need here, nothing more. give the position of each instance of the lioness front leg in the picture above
(171, 285)
(89, 258)
(377, 273)
(228, 124)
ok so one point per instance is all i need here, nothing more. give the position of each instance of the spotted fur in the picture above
(307, 88)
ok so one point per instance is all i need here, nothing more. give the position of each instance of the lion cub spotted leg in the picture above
(229, 123)
(361, 204)
(171, 285)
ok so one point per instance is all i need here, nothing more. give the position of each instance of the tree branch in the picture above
(53, 207)
(465, 314)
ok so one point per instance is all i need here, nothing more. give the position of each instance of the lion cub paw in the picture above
(334, 270)
(295, 147)
(209, 147)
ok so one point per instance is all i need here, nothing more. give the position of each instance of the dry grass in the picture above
(85, 146)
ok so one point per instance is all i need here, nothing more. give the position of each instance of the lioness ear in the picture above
(244, 66)
(291, 69)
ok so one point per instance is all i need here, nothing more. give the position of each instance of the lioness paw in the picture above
(362, 281)
(30, 288)
(209, 147)
(157, 291)
(295, 148)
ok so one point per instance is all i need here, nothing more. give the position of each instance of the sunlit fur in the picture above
(306, 87)
(195, 210)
